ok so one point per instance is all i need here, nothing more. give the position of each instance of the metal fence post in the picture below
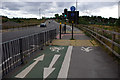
(45, 38)
(113, 39)
(93, 31)
(51, 32)
(55, 34)
(42, 41)
(21, 51)
(97, 32)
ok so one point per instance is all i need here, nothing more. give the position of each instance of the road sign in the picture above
(72, 8)
(72, 14)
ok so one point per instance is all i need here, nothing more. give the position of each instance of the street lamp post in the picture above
(39, 12)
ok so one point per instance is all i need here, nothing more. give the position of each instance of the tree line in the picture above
(98, 20)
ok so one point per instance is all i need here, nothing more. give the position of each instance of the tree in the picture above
(118, 23)
(60, 17)
(83, 21)
(56, 15)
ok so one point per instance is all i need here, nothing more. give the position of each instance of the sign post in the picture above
(72, 8)
(72, 30)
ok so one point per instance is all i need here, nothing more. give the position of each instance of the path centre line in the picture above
(65, 66)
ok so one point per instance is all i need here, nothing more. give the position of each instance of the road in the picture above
(6, 36)
(65, 58)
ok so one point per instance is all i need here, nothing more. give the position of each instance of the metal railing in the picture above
(111, 40)
(16, 52)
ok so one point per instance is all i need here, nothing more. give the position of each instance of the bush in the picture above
(118, 23)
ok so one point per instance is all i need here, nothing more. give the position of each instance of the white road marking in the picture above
(57, 49)
(65, 66)
(49, 70)
(29, 68)
(87, 49)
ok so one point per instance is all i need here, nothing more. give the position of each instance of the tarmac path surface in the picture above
(65, 58)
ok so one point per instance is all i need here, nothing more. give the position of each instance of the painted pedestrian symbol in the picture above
(86, 49)
(56, 49)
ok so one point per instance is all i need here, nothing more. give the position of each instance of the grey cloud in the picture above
(81, 6)
(45, 7)
(60, 10)
(95, 5)
(33, 7)
(64, 4)
(42, 5)
(11, 5)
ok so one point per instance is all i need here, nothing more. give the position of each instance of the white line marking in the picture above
(49, 70)
(65, 66)
(29, 68)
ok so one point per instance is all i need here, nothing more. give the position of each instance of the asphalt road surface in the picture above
(6, 36)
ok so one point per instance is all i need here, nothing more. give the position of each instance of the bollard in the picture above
(60, 30)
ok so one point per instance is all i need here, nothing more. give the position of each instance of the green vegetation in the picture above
(57, 16)
(112, 24)
(20, 22)
(98, 20)
(118, 23)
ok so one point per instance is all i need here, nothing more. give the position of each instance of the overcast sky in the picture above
(48, 8)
